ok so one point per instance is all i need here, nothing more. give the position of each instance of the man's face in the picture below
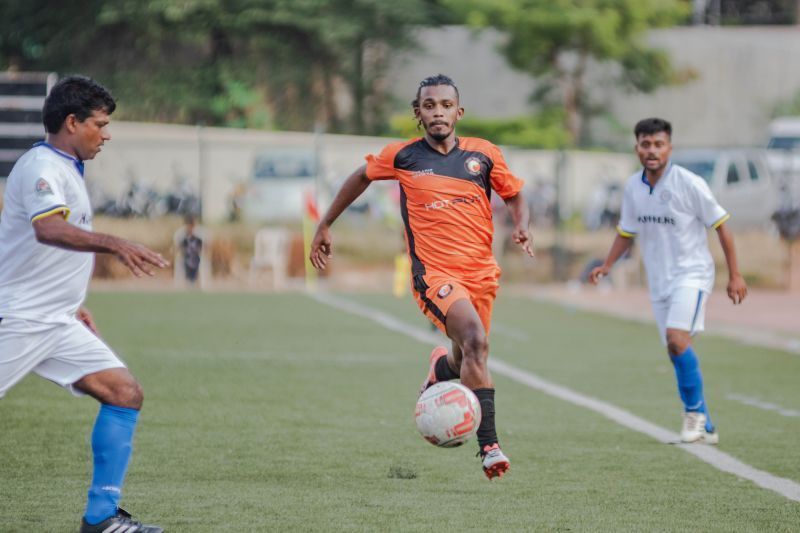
(89, 135)
(439, 111)
(654, 150)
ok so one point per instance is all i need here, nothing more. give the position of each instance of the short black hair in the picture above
(432, 81)
(651, 126)
(75, 95)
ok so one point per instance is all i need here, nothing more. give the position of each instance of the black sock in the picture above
(487, 435)
(443, 370)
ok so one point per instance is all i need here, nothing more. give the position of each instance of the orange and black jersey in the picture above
(445, 202)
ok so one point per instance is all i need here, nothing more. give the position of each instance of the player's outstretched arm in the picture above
(618, 248)
(737, 288)
(55, 231)
(520, 215)
(352, 188)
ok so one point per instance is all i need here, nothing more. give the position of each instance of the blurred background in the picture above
(237, 120)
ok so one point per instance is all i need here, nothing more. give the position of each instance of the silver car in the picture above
(740, 180)
(281, 177)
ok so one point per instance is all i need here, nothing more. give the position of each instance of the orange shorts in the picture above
(435, 292)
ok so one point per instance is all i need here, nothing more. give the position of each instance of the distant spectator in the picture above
(189, 243)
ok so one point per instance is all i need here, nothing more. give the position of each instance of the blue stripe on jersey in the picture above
(75, 161)
(51, 208)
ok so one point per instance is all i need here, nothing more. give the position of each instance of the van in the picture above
(740, 180)
(280, 178)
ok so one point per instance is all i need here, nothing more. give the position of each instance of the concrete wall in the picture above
(215, 160)
(742, 73)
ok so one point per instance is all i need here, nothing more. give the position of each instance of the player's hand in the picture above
(737, 289)
(138, 258)
(597, 274)
(86, 318)
(321, 248)
(522, 237)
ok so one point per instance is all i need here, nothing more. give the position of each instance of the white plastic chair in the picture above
(271, 252)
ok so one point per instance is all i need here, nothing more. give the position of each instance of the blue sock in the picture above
(690, 383)
(112, 440)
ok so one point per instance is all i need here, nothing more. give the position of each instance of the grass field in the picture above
(280, 413)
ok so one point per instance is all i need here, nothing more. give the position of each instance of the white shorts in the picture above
(685, 309)
(62, 353)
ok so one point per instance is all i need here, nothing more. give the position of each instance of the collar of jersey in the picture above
(647, 183)
(75, 161)
(434, 150)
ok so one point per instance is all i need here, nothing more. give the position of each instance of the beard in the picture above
(438, 136)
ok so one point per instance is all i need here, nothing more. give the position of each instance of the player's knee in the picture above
(678, 342)
(476, 345)
(128, 394)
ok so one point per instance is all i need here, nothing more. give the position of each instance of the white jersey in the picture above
(671, 221)
(41, 282)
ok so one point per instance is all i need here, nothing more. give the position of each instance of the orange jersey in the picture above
(444, 201)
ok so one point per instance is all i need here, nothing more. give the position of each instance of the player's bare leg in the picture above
(115, 386)
(466, 330)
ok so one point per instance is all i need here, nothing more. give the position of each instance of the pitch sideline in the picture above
(719, 460)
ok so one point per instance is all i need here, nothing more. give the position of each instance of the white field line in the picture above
(761, 404)
(719, 460)
(512, 333)
(748, 336)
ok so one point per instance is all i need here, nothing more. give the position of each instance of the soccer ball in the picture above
(448, 414)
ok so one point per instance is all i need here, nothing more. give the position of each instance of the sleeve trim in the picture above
(626, 234)
(515, 191)
(721, 221)
(64, 210)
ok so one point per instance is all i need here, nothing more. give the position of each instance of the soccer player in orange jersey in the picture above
(445, 187)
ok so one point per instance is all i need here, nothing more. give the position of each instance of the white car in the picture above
(740, 180)
(282, 176)
(783, 157)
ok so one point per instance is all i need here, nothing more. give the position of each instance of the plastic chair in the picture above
(271, 252)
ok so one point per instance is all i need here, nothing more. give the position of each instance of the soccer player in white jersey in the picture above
(47, 249)
(669, 209)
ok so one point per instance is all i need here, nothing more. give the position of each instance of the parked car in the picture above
(783, 157)
(740, 180)
(784, 135)
(280, 178)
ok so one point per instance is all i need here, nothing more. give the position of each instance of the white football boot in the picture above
(495, 463)
(694, 429)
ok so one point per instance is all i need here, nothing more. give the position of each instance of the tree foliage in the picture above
(223, 62)
(788, 107)
(543, 130)
(557, 41)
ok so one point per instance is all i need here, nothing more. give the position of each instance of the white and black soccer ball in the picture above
(448, 414)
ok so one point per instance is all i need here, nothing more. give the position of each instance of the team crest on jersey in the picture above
(665, 197)
(445, 291)
(473, 165)
(43, 188)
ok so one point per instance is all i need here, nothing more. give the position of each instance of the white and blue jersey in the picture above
(40, 282)
(42, 286)
(670, 222)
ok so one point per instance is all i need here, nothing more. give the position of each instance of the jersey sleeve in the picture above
(503, 181)
(381, 166)
(628, 222)
(43, 194)
(705, 205)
